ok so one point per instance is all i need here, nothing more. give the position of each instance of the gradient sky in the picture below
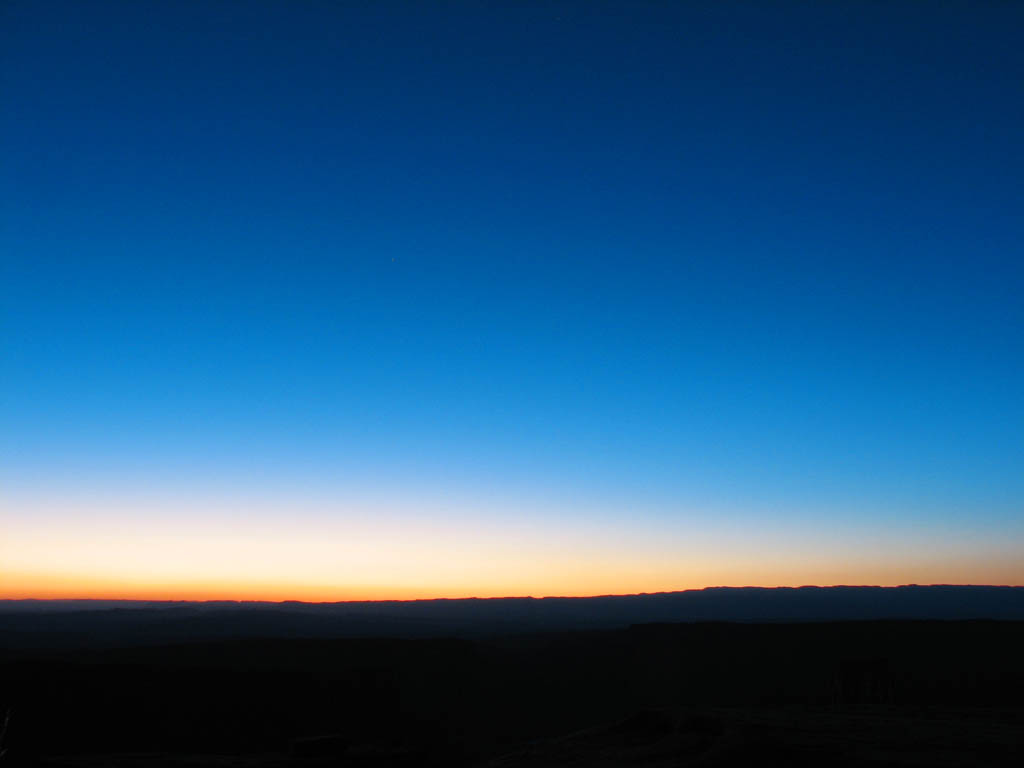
(354, 300)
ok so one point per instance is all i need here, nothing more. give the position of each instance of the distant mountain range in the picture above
(63, 623)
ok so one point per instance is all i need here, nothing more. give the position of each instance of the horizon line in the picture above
(501, 597)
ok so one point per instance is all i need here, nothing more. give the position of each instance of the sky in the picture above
(327, 301)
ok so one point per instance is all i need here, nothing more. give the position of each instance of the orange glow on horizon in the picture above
(62, 588)
(18, 586)
(370, 556)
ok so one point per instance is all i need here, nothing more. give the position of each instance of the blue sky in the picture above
(669, 270)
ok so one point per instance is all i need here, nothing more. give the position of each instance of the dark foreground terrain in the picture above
(879, 693)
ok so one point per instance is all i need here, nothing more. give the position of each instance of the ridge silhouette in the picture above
(40, 623)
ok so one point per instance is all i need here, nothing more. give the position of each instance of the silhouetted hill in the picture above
(67, 623)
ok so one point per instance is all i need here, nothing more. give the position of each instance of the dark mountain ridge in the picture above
(42, 623)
